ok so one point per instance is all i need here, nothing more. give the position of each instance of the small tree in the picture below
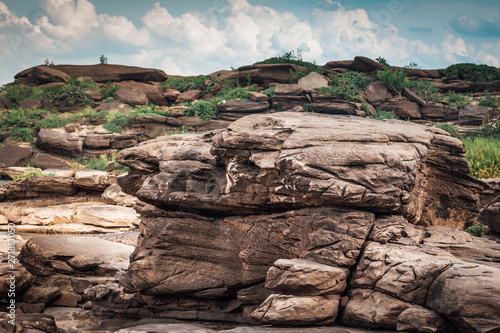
(103, 59)
(47, 62)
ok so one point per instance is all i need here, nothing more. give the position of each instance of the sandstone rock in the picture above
(13, 155)
(113, 106)
(312, 82)
(171, 94)
(114, 194)
(18, 171)
(41, 295)
(42, 74)
(107, 216)
(333, 108)
(232, 110)
(268, 73)
(412, 96)
(93, 180)
(59, 141)
(97, 141)
(31, 323)
(376, 93)
(403, 109)
(433, 111)
(104, 73)
(288, 102)
(23, 278)
(4, 136)
(364, 64)
(7, 103)
(96, 96)
(35, 104)
(304, 277)
(33, 187)
(67, 299)
(419, 319)
(153, 94)
(475, 115)
(258, 97)
(490, 215)
(189, 95)
(78, 255)
(46, 161)
(288, 89)
(131, 96)
(302, 310)
(166, 328)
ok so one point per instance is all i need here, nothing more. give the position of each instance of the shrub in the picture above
(20, 117)
(382, 61)
(296, 75)
(116, 122)
(450, 128)
(269, 92)
(484, 156)
(491, 129)
(227, 94)
(33, 173)
(472, 72)
(202, 109)
(18, 92)
(347, 86)
(425, 89)
(477, 230)
(87, 113)
(108, 91)
(381, 114)
(141, 111)
(102, 162)
(394, 80)
(51, 122)
(366, 108)
(291, 58)
(22, 134)
(489, 101)
(457, 100)
(185, 83)
(69, 95)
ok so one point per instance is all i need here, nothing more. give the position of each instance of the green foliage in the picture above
(450, 128)
(103, 60)
(477, 230)
(141, 111)
(412, 65)
(381, 114)
(22, 134)
(87, 113)
(296, 75)
(202, 109)
(394, 80)
(22, 117)
(425, 89)
(102, 162)
(366, 108)
(69, 95)
(108, 91)
(491, 129)
(185, 83)
(227, 94)
(47, 62)
(18, 92)
(489, 101)
(347, 86)
(291, 58)
(382, 61)
(33, 173)
(51, 122)
(116, 122)
(483, 153)
(211, 84)
(269, 92)
(472, 72)
(457, 100)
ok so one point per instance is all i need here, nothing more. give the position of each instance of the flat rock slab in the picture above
(13, 155)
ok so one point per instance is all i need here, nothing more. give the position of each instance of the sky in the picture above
(191, 37)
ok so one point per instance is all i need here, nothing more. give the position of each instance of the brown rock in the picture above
(153, 93)
(13, 155)
(113, 106)
(7, 103)
(412, 96)
(490, 215)
(46, 161)
(376, 93)
(96, 96)
(189, 95)
(434, 110)
(232, 110)
(285, 103)
(59, 141)
(332, 108)
(70, 128)
(4, 136)
(313, 81)
(131, 96)
(288, 90)
(264, 74)
(475, 115)
(22, 281)
(403, 109)
(419, 319)
(171, 94)
(258, 97)
(364, 64)
(98, 140)
(67, 299)
(43, 74)
(41, 295)
(31, 323)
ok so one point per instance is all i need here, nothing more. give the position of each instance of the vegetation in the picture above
(102, 163)
(34, 173)
(457, 100)
(291, 58)
(185, 83)
(489, 101)
(394, 80)
(202, 109)
(381, 114)
(51, 122)
(347, 86)
(477, 230)
(269, 92)
(22, 134)
(366, 108)
(450, 128)
(472, 72)
(382, 61)
(18, 92)
(103, 60)
(425, 89)
(22, 117)
(483, 153)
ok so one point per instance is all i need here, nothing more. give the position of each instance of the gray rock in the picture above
(14, 155)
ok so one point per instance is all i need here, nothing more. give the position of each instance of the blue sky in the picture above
(192, 37)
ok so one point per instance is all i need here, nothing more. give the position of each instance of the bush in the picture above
(491, 129)
(102, 162)
(141, 111)
(22, 117)
(116, 122)
(381, 114)
(22, 134)
(477, 230)
(425, 89)
(202, 109)
(382, 61)
(290, 58)
(347, 86)
(227, 94)
(269, 92)
(457, 100)
(51, 122)
(296, 75)
(185, 83)
(108, 91)
(68, 95)
(472, 72)
(489, 101)
(450, 128)
(18, 92)
(394, 80)
(484, 156)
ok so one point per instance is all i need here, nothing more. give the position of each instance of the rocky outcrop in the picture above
(490, 215)
(474, 115)
(41, 75)
(61, 142)
(131, 96)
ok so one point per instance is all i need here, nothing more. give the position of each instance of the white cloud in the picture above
(454, 46)
(119, 28)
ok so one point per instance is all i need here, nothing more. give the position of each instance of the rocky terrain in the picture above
(296, 208)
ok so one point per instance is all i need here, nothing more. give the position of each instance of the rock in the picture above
(258, 97)
(58, 141)
(295, 174)
(166, 328)
(232, 110)
(490, 215)
(104, 73)
(23, 279)
(35, 104)
(113, 106)
(474, 115)
(93, 180)
(419, 319)
(288, 102)
(70, 128)
(42, 74)
(31, 323)
(96, 96)
(376, 93)
(131, 96)
(12, 172)
(33, 187)
(171, 94)
(67, 299)
(107, 216)
(288, 90)
(189, 95)
(46, 161)
(41, 295)
(403, 109)
(301, 310)
(4, 136)
(153, 94)
(412, 96)
(264, 74)
(97, 141)
(7, 103)
(14, 155)
(313, 81)
(114, 195)
(304, 277)
(333, 108)
(365, 65)
(434, 110)
(74, 255)
(87, 173)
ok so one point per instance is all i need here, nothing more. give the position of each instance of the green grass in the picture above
(489, 101)
(269, 92)
(102, 162)
(457, 100)
(483, 153)
(290, 58)
(381, 114)
(183, 84)
(394, 80)
(51, 122)
(22, 134)
(347, 86)
(18, 92)
(22, 117)
(450, 128)
(425, 89)
(202, 109)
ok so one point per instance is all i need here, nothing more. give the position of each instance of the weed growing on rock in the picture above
(51, 122)
(394, 80)
(269, 92)
(116, 122)
(22, 117)
(202, 109)
(457, 100)
(291, 58)
(347, 86)
(477, 230)
(102, 163)
(489, 101)
(381, 114)
(183, 84)
(450, 128)
(22, 134)
(425, 89)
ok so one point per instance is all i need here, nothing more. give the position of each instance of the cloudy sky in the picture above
(191, 37)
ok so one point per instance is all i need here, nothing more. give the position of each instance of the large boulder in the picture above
(293, 160)
(403, 109)
(46, 161)
(153, 93)
(14, 155)
(131, 96)
(41, 75)
(376, 93)
(475, 115)
(268, 73)
(59, 141)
